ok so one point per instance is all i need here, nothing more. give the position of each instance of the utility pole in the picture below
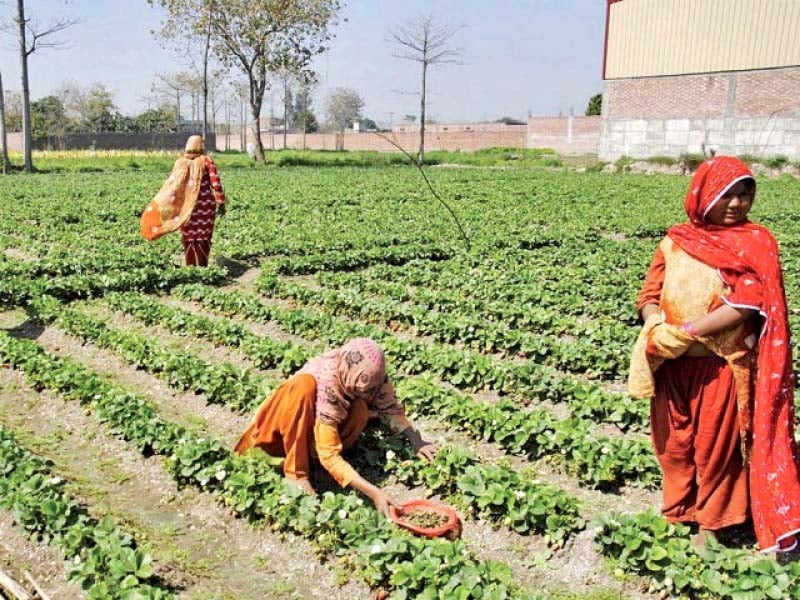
(227, 125)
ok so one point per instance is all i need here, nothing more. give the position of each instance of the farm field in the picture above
(127, 379)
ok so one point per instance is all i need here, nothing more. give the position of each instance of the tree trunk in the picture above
(256, 99)
(305, 124)
(205, 71)
(5, 163)
(177, 111)
(27, 140)
(421, 157)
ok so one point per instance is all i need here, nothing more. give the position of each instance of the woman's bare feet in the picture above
(701, 538)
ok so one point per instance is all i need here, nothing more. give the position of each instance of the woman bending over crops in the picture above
(323, 408)
(189, 200)
(715, 358)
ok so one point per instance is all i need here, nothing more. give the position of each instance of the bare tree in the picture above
(5, 163)
(426, 42)
(175, 85)
(289, 75)
(33, 37)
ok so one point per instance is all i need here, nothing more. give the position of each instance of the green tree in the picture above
(161, 119)
(509, 121)
(595, 105)
(98, 109)
(302, 117)
(13, 101)
(259, 37)
(368, 124)
(47, 117)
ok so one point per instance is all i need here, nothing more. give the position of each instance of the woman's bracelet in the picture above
(689, 328)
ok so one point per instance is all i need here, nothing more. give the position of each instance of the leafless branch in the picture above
(38, 37)
(430, 186)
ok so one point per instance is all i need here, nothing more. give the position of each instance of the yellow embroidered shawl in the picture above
(691, 290)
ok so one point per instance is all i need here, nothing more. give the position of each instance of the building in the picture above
(692, 75)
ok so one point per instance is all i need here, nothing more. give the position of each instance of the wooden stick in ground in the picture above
(42, 594)
(12, 587)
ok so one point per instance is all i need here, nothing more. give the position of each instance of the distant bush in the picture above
(776, 162)
(690, 161)
(748, 158)
(667, 161)
(623, 163)
(596, 167)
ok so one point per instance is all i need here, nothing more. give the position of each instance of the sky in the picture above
(518, 56)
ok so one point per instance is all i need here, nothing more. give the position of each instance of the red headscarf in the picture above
(750, 249)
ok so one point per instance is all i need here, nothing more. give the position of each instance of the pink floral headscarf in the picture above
(357, 370)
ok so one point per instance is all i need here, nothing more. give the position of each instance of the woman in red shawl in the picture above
(714, 356)
(189, 200)
(323, 409)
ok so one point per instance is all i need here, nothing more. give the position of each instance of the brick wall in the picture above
(701, 96)
(748, 112)
(566, 135)
(108, 141)
(450, 140)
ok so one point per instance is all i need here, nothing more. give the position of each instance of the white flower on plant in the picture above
(342, 514)
(390, 455)
(519, 494)
(55, 480)
(220, 475)
(375, 548)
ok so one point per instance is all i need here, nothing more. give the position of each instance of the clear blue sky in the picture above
(519, 55)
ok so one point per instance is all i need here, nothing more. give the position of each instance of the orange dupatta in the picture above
(173, 204)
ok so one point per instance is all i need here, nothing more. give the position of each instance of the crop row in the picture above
(646, 544)
(465, 370)
(103, 560)
(587, 350)
(21, 289)
(598, 460)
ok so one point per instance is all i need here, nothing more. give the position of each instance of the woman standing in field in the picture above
(715, 358)
(190, 199)
(323, 408)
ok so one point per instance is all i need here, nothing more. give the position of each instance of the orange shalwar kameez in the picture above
(287, 425)
(701, 409)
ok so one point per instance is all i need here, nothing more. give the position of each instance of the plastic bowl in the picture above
(452, 528)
